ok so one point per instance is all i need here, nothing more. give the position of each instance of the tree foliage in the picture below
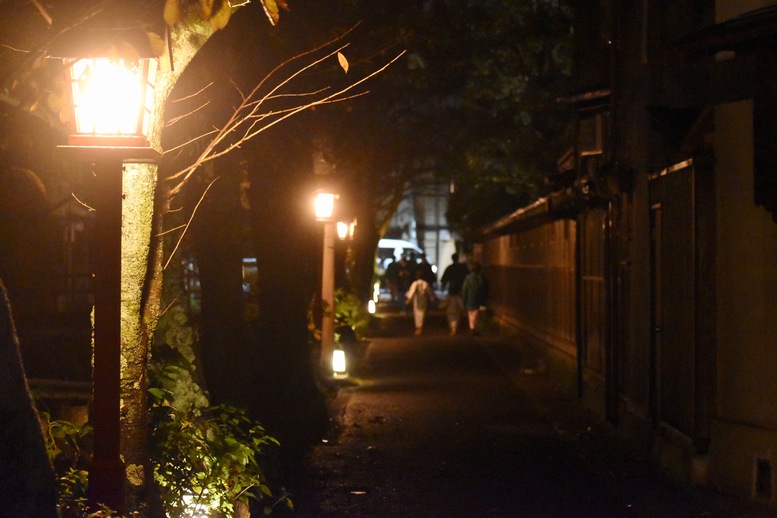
(479, 100)
(515, 129)
(472, 102)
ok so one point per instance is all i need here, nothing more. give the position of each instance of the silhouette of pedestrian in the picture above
(392, 278)
(404, 275)
(474, 291)
(453, 277)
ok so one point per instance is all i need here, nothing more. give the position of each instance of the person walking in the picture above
(421, 295)
(404, 277)
(426, 268)
(474, 292)
(453, 278)
(392, 278)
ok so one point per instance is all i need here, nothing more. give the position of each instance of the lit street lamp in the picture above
(112, 106)
(345, 231)
(325, 209)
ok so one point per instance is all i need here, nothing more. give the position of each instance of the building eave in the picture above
(753, 29)
(558, 205)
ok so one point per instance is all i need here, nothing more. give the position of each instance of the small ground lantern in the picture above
(338, 363)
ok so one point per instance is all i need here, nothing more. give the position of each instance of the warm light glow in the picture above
(342, 229)
(345, 230)
(371, 307)
(338, 361)
(195, 507)
(112, 98)
(325, 205)
(376, 291)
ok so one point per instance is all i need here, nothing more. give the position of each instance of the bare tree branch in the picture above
(188, 223)
(248, 113)
(43, 12)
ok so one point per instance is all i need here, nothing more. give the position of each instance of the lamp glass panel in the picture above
(325, 205)
(342, 229)
(110, 97)
(338, 361)
(149, 97)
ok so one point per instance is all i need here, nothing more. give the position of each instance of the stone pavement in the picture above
(440, 426)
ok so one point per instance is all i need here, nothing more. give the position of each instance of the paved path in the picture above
(438, 426)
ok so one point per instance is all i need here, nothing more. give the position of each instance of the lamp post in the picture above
(112, 106)
(345, 231)
(325, 207)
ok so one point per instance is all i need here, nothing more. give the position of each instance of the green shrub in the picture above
(349, 311)
(205, 458)
(67, 445)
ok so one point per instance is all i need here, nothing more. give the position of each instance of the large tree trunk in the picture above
(217, 232)
(27, 482)
(140, 296)
(288, 251)
(141, 280)
(365, 250)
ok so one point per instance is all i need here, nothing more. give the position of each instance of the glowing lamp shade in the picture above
(325, 205)
(112, 101)
(338, 362)
(342, 229)
(345, 230)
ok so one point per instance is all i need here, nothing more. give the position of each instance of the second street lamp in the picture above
(325, 212)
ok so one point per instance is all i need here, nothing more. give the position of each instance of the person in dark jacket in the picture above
(427, 271)
(392, 278)
(453, 278)
(474, 292)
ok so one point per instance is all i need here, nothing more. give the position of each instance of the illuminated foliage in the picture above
(205, 457)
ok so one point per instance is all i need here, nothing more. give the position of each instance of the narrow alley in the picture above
(471, 426)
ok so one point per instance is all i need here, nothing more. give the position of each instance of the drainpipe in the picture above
(579, 335)
(611, 316)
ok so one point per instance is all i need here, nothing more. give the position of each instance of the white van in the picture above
(394, 248)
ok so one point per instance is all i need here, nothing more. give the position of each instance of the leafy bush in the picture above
(349, 311)
(205, 458)
(67, 447)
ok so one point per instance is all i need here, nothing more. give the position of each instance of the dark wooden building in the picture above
(650, 281)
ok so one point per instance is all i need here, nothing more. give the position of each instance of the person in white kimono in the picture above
(421, 295)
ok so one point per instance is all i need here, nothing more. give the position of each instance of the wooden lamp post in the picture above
(112, 106)
(325, 212)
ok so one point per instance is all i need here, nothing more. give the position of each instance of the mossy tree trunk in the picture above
(145, 201)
